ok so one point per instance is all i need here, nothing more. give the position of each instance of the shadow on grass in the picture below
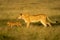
(5, 37)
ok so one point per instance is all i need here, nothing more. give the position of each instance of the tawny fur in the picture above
(11, 24)
(35, 18)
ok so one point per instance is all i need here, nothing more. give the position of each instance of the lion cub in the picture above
(10, 23)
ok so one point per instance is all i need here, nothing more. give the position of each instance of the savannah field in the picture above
(10, 9)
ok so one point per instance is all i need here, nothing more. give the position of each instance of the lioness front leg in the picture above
(28, 24)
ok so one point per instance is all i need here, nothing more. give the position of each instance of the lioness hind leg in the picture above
(44, 23)
(49, 24)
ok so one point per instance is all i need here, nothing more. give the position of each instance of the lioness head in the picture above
(20, 16)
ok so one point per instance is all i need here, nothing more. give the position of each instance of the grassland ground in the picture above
(35, 32)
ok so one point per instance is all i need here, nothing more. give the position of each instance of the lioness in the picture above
(10, 23)
(35, 18)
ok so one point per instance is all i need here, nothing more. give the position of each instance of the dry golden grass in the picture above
(10, 9)
(35, 32)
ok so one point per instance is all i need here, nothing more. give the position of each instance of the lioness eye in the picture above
(20, 13)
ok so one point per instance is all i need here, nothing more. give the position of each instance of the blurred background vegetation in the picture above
(11, 8)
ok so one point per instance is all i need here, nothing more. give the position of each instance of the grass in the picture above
(10, 9)
(33, 33)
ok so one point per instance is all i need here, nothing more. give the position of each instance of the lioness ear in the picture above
(20, 13)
